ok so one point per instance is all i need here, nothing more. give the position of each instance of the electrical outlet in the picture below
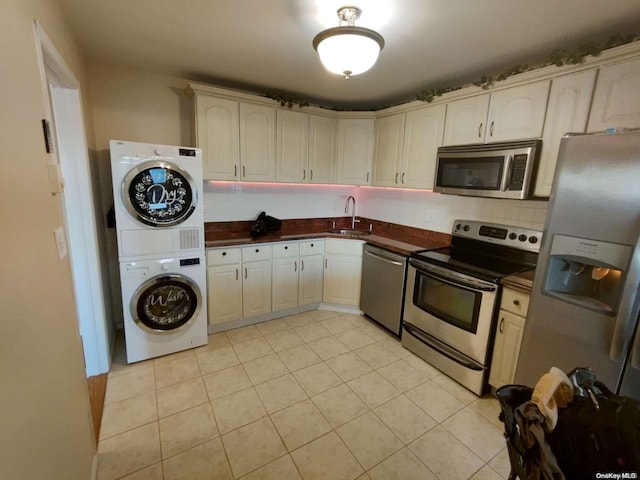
(429, 216)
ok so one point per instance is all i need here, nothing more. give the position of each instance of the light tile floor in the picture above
(314, 396)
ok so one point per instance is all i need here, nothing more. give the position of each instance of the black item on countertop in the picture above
(599, 432)
(265, 224)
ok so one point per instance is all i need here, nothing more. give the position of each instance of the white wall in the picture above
(45, 418)
(434, 211)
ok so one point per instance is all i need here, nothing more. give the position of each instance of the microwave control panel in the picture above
(518, 170)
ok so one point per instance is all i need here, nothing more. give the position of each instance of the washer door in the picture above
(159, 194)
(166, 303)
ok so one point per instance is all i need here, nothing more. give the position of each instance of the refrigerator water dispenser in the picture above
(587, 273)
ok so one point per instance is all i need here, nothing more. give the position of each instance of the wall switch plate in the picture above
(61, 242)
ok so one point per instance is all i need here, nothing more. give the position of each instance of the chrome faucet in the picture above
(353, 211)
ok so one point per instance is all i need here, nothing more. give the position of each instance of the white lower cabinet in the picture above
(252, 281)
(511, 320)
(285, 276)
(311, 272)
(256, 280)
(224, 285)
(342, 271)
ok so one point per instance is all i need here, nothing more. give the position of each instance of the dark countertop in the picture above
(377, 240)
(520, 281)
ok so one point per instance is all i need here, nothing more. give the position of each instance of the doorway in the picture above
(63, 107)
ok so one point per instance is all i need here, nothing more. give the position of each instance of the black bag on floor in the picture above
(599, 432)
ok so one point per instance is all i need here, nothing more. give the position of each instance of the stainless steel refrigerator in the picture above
(586, 291)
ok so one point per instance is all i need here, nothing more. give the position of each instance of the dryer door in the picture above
(166, 303)
(159, 194)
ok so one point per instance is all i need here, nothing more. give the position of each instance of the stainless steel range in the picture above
(453, 294)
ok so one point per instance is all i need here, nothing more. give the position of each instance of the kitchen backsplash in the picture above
(434, 211)
(232, 201)
(229, 201)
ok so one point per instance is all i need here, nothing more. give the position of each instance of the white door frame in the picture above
(63, 103)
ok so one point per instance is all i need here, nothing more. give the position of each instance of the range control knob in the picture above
(522, 237)
(466, 228)
(513, 236)
(533, 239)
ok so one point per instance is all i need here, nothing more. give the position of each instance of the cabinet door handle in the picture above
(310, 174)
(325, 263)
(480, 130)
(235, 171)
(367, 177)
(295, 266)
(493, 122)
(245, 273)
(236, 274)
(396, 179)
(304, 173)
(403, 174)
(501, 325)
(244, 173)
(516, 302)
(302, 265)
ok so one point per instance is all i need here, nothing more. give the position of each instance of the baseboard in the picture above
(244, 322)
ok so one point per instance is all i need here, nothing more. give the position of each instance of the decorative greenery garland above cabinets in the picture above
(558, 57)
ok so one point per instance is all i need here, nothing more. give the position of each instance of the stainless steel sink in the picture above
(349, 232)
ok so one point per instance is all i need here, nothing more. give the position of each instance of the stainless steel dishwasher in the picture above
(382, 290)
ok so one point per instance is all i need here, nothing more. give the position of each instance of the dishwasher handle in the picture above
(374, 254)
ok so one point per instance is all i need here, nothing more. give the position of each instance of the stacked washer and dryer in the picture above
(160, 229)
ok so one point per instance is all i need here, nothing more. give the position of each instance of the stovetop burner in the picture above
(486, 250)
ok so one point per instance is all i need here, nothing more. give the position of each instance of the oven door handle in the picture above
(458, 282)
(442, 348)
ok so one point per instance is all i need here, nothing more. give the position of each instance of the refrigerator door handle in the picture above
(627, 311)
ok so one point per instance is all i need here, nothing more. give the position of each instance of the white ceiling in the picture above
(263, 45)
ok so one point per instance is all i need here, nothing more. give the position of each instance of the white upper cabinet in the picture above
(616, 102)
(517, 113)
(217, 134)
(257, 142)
(292, 147)
(568, 111)
(423, 130)
(322, 149)
(466, 120)
(355, 151)
(389, 135)
(406, 147)
(511, 114)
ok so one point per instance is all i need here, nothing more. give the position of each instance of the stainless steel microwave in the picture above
(495, 170)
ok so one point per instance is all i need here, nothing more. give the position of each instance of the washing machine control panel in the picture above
(189, 261)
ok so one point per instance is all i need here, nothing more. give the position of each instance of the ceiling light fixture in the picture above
(348, 50)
